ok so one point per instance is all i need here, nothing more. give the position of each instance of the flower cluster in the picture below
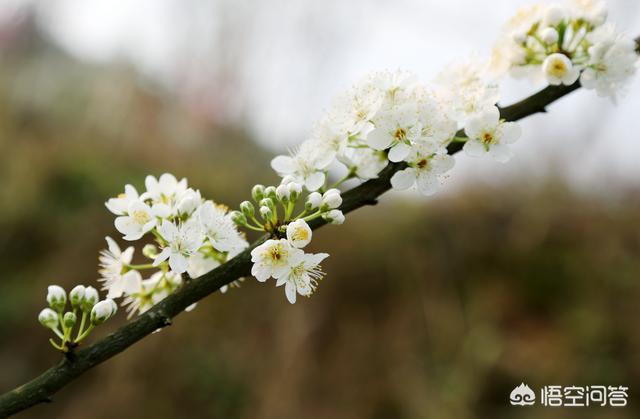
(281, 257)
(192, 236)
(388, 117)
(568, 42)
(82, 300)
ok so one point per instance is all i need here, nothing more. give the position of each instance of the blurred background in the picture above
(524, 272)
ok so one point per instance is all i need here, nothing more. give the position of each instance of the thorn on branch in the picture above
(371, 202)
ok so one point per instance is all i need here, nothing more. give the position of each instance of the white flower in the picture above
(166, 191)
(120, 204)
(352, 112)
(299, 233)
(468, 88)
(558, 69)
(334, 217)
(365, 162)
(139, 220)
(113, 265)
(437, 127)
(302, 275)
(142, 294)
(306, 165)
(612, 62)
(488, 135)
(182, 242)
(56, 297)
(424, 171)
(397, 128)
(103, 310)
(271, 259)
(219, 228)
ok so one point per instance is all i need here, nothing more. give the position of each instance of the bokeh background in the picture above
(435, 308)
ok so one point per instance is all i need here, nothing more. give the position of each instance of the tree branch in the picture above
(43, 387)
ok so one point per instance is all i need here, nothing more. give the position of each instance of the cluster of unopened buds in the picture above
(386, 118)
(84, 304)
(281, 257)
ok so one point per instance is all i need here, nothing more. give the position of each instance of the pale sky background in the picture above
(275, 65)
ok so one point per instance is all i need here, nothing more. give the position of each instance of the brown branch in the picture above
(42, 388)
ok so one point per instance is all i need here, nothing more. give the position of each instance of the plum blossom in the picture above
(306, 165)
(488, 135)
(120, 204)
(220, 230)
(425, 172)
(301, 275)
(183, 241)
(139, 219)
(271, 259)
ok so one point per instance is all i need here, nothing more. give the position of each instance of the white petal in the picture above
(132, 282)
(260, 272)
(168, 231)
(511, 131)
(283, 164)
(290, 291)
(127, 226)
(501, 153)
(474, 148)
(379, 139)
(314, 181)
(404, 179)
(427, 183)
(490, 117)
(178, 263)
(399, 152)
(162, 256)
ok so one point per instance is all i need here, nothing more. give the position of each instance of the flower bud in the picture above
(270, 192)
(189, 202)
(266, 213)
(76, 296)
(334, 217)
(549, 36)
(282, 193)
(257, 193)
(90, 298)
(313, 201)
(69, 319)
(287, 180)
(299, 233)
(554, 15)
(149, 250)
(238, 218)
(48, 318)
(332, 199)
(56, 297)
(519, 37)
(102, 311)
(268, 202)
(295, 189)
(247, 209)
